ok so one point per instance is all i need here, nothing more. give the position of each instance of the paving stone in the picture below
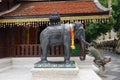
(112, 68)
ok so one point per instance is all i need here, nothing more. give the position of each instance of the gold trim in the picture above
(46, 19)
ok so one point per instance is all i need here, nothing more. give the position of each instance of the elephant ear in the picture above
(78, 25)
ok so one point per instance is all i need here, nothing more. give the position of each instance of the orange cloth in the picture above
(71, 32)
(72, 37)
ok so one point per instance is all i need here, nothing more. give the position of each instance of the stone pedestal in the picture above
(63, 73)
(55, 73)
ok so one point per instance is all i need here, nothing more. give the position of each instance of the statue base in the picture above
(55, 73)
(62, 73)
(58, 64)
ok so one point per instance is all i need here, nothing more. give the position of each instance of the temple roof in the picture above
(37, 12)
(62, 7)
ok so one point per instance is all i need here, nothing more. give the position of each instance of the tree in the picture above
(104, 2)
(95, 29)
(116, 15)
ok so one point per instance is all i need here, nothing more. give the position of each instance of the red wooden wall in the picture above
(12, 43)
(4, 42)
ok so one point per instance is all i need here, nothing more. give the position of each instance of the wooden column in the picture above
(36, 35)
(27, 32)
(109, 36)
(103, 36)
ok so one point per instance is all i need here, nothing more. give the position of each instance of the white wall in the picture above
(106, 37)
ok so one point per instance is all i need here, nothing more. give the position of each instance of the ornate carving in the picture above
(54, 18)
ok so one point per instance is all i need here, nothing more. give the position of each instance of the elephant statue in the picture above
(60, 34)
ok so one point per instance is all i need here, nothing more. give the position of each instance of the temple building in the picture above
(21, 22)
(109, 36)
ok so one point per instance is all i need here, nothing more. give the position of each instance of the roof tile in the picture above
(63, 7)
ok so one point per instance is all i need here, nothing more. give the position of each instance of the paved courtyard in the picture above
(16, 74)
(21, 69)
(112, 68)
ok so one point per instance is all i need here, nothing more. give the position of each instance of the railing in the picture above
(34, 50)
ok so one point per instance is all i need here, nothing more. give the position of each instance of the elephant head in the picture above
(78, 29)
(80, 35)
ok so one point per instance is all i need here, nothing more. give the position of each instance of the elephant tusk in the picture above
(72, 37)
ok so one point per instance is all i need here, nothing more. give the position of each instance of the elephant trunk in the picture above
(83, 48)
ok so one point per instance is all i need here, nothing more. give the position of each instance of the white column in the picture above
(110, 6)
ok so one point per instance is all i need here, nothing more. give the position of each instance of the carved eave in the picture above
(35, 22)
(8, 11)
(72, 18)
(97, 3)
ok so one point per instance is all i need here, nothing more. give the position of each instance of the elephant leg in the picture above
(83, 51)
(67, 53)
(44, 52)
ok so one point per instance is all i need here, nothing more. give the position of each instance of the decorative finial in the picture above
(54, 17)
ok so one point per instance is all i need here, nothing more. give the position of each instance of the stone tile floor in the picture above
(21, 68)
(112, 68)
(16, 74)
